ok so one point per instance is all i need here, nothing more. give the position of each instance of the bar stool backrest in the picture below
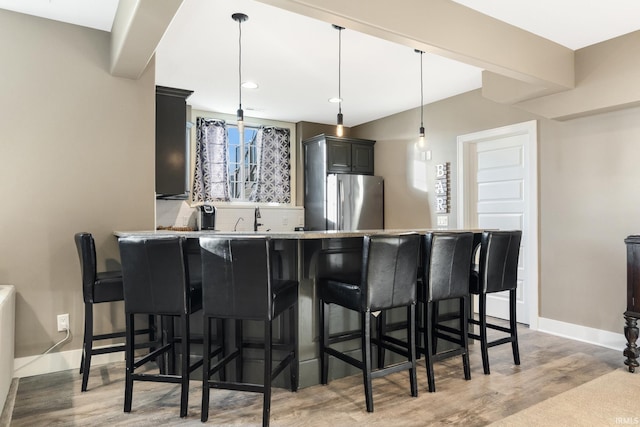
(389, 270)
(87, 253)
(237, 277)
(499, 251)
(447, 261)
(154, 274)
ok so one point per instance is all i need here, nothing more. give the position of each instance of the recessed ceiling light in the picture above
(335, 100)
(250, 85)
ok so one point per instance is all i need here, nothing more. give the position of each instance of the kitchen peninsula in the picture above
(298, 253)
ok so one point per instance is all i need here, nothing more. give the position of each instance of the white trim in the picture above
(65, 360)
(528, 128)
(581, 333)
(60, 361)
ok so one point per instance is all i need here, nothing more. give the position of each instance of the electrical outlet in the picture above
(63, 322)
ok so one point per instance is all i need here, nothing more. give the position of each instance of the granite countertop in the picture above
(325, 234)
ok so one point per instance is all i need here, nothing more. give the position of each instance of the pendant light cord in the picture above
(240, 18)
(421, 94)
(240, 63)
(339, 69)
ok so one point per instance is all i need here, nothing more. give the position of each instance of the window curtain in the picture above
(210, 183)
(273, 177)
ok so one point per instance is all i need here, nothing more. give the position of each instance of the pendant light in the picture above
(421, 134)
(240, 18)
(339, 129)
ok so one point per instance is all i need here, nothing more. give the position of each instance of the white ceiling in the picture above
(294, 58)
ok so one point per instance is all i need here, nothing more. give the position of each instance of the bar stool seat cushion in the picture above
(108, 287)
(345, 292)
(285, 294)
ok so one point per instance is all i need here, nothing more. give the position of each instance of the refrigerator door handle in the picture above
(340, 205)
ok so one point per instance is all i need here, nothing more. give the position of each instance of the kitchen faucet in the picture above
(256, 215)
(235, 227)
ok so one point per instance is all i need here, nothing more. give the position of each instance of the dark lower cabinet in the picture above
(632, 314)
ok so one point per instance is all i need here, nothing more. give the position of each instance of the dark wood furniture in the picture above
(633, 302)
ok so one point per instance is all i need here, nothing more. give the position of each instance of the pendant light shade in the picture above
(240, 18)
(339, 128)
(421, 131)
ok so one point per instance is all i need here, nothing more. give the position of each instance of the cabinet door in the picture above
(362, 158)
(172, 148)
(338, 156)
(171, 125)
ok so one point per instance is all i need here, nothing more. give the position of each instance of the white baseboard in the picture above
(586, 334)
(60, 361)
(65, 360)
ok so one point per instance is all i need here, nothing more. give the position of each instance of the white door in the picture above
(497, 172)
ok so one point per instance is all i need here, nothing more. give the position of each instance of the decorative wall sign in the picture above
(443, 199)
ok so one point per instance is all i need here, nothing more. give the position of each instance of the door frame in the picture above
(530, 193)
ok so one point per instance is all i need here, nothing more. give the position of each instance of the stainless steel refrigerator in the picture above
(347, 202)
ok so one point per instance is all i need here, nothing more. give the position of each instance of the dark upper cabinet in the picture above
(338, 156)
(345, 155)
(362, 158)
(172, 144)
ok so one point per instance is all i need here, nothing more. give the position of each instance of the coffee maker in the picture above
(207, 217)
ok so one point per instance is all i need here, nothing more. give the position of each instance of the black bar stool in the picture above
(156, 281)
(99, 287)
(497, 272)
(239, 283)
(379, 277)
(446, 258)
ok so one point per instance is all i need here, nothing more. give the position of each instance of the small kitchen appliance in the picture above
(207, 217)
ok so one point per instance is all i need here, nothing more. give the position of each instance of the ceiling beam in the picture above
(449, 29)
(137, 29)
(606, 80)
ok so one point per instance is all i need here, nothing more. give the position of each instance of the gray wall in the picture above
(589, 196)
(76, 154)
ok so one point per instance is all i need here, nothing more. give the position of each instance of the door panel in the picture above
(500, 203)
(498, 188)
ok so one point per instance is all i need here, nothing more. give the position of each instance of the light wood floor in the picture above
(550, 365)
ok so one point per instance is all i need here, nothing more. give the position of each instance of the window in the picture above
(229, 168)
(243, 162)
